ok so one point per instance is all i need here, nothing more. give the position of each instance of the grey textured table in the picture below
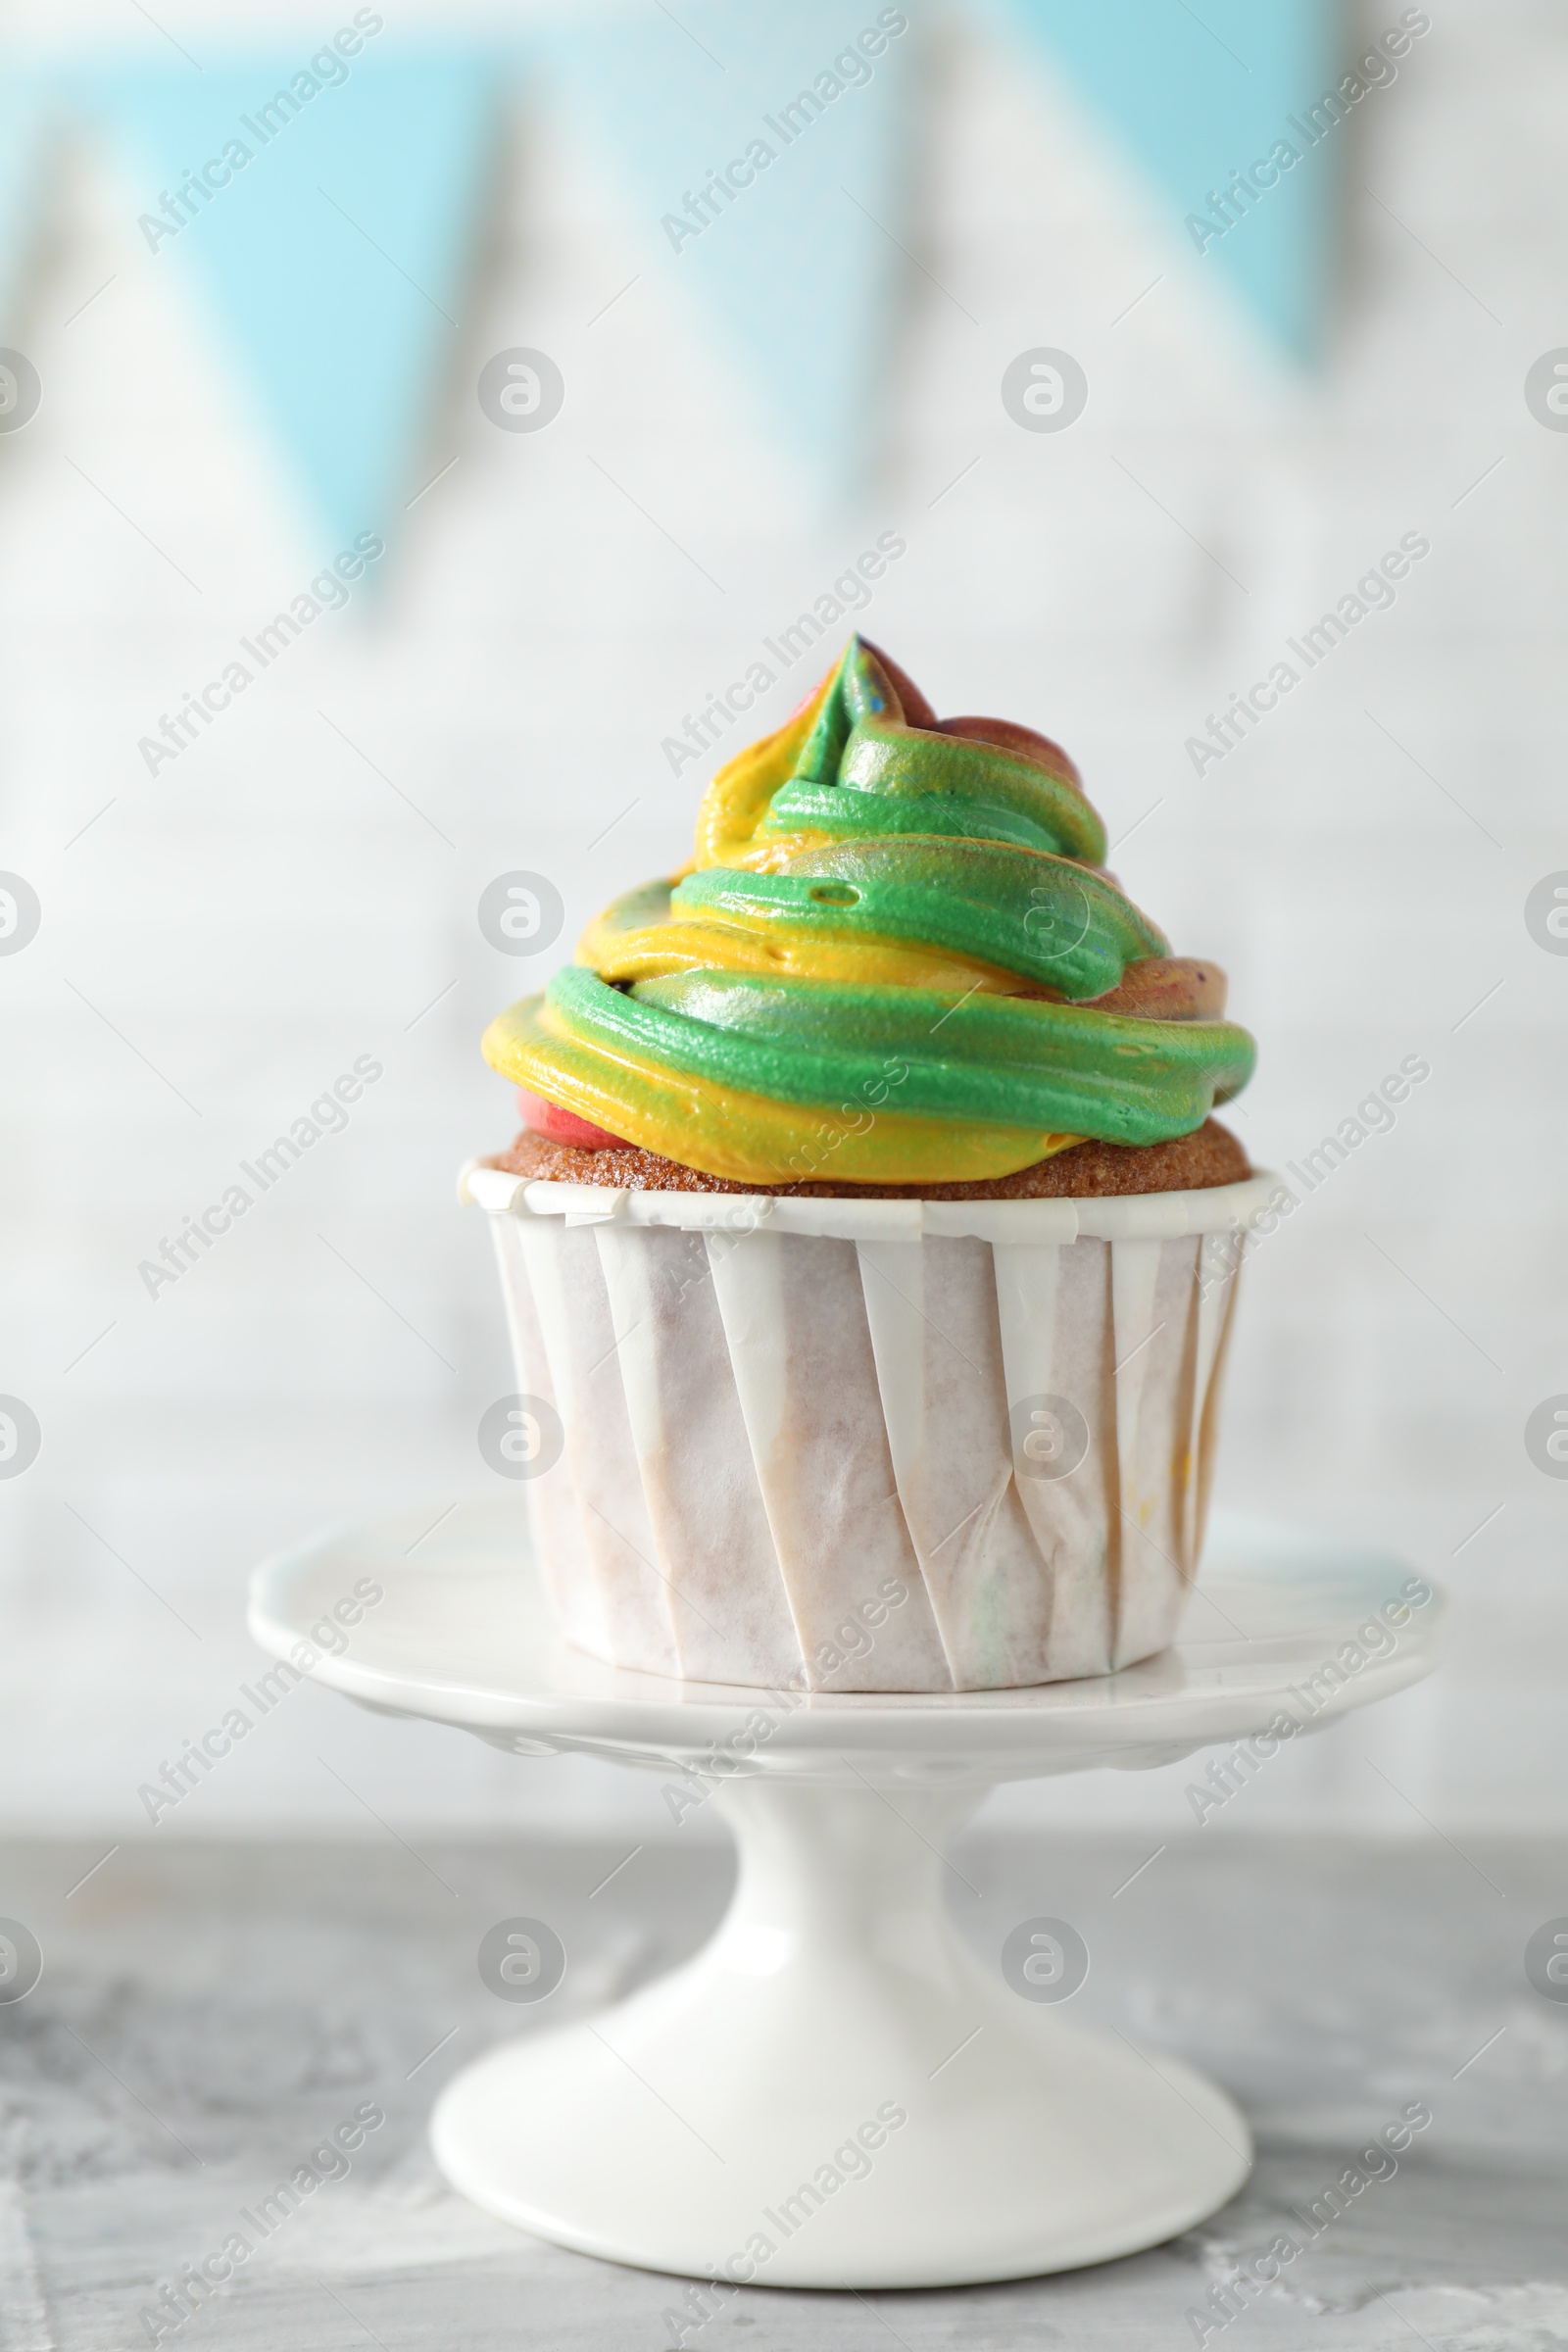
(210, 2016)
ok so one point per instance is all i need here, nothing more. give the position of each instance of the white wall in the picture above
(270, 907)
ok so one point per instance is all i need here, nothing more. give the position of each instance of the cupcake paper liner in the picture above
(869, 1444)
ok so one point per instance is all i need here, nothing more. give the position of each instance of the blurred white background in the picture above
(299, 888)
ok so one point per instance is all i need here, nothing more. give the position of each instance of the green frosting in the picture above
(911, 840)
(1040, 915)
(1008, 1060)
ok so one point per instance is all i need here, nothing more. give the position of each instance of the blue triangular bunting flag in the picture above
(1218, 104)
(331, 206)
(331, 201)
(766, 150)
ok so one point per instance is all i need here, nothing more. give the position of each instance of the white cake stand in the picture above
(735, 2119)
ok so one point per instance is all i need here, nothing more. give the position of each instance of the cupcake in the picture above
(870, 1249)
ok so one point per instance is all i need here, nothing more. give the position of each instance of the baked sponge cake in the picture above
(869, 1245)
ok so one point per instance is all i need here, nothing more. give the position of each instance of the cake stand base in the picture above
(835, 2092)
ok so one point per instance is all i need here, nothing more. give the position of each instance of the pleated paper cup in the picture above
(868, 1445)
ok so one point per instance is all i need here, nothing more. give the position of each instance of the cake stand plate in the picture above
(836, 2091)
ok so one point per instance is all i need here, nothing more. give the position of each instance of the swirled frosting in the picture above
(896, 959)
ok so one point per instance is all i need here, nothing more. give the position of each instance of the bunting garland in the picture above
(328, 200)
(329, 204)
(1205, 112)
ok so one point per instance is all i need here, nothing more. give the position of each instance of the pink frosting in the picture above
(563, 1126)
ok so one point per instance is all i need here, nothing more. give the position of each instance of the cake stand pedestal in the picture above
(836, 2091)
